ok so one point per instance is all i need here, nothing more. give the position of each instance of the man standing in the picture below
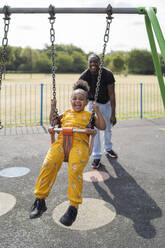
(107, 104)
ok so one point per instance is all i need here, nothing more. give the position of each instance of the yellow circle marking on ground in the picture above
(95, 176)
(92, 214)
(163, 129)
(7, 202)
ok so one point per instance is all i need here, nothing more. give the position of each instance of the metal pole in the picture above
(155, 58)
(141, 100)
(73, 10)
(41, 110)
(157, 30)
(73, 130)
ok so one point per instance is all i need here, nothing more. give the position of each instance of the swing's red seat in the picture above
(68, 138)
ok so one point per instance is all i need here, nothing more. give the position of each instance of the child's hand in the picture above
(95, 107)
(53, 103)
(91, 132)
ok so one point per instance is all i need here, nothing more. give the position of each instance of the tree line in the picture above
(72, 59)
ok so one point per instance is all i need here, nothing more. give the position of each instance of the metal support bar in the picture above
(155, 57)
(73, 10)
(41, 108)
(141, 100)
(73, 130)
(157, 30)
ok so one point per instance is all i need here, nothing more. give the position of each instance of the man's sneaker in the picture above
(38, 208)
(95, 164)
(112, 154)
(69, 217)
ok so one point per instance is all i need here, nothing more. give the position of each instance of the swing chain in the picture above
(52, 40)
(6, 11)
(106, 39)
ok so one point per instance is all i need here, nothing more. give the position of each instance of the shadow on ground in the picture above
(130, 200)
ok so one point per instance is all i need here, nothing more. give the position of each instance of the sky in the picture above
(86, 31)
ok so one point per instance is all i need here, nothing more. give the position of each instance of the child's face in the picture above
(78, 100)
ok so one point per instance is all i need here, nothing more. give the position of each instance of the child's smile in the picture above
(78, 100)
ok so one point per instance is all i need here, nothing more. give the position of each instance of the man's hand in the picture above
(113, 120)
(91, 132)
(95, 107)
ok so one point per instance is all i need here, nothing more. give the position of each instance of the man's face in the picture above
(94, 65)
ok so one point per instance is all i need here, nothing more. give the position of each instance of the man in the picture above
(107, 104)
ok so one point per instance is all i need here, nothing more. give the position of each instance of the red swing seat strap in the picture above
(68, 139)
(67, 145)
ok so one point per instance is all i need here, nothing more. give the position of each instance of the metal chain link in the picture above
(52, 40)
(106, 39)
(52, 18)
(4, 48)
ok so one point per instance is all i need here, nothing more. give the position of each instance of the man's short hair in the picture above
(93, 55)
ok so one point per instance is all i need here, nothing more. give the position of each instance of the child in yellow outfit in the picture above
(76, 118)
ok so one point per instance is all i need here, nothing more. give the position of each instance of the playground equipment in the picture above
(151, 22)
(68, 132)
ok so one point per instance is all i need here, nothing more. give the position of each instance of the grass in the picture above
(40, 78)
(72, 78)
(21, 96)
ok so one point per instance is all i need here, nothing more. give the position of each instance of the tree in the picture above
(116, 61)
(17, 58)
(140, 62)
(43, 64)
(26, 57)
(71, 48)
(64, 62)
(107, 60)
(69, 58)
(117, 64)
(79, 62)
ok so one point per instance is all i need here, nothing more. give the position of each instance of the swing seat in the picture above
(68, 138)
(67, 141)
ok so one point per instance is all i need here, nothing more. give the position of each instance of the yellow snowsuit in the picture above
(78, 158)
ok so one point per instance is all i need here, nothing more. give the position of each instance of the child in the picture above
(77, 118)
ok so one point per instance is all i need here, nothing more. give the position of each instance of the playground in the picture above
(123, 202)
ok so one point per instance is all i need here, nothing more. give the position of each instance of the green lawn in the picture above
(21, 96)
(72, 78)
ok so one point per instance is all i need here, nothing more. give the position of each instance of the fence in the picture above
(29, 104)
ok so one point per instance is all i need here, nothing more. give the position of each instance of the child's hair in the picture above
(81, 84)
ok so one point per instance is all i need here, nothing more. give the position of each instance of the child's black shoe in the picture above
(38, 208)
(69, 217)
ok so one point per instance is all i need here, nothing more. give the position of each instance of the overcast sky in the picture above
(83, 30)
